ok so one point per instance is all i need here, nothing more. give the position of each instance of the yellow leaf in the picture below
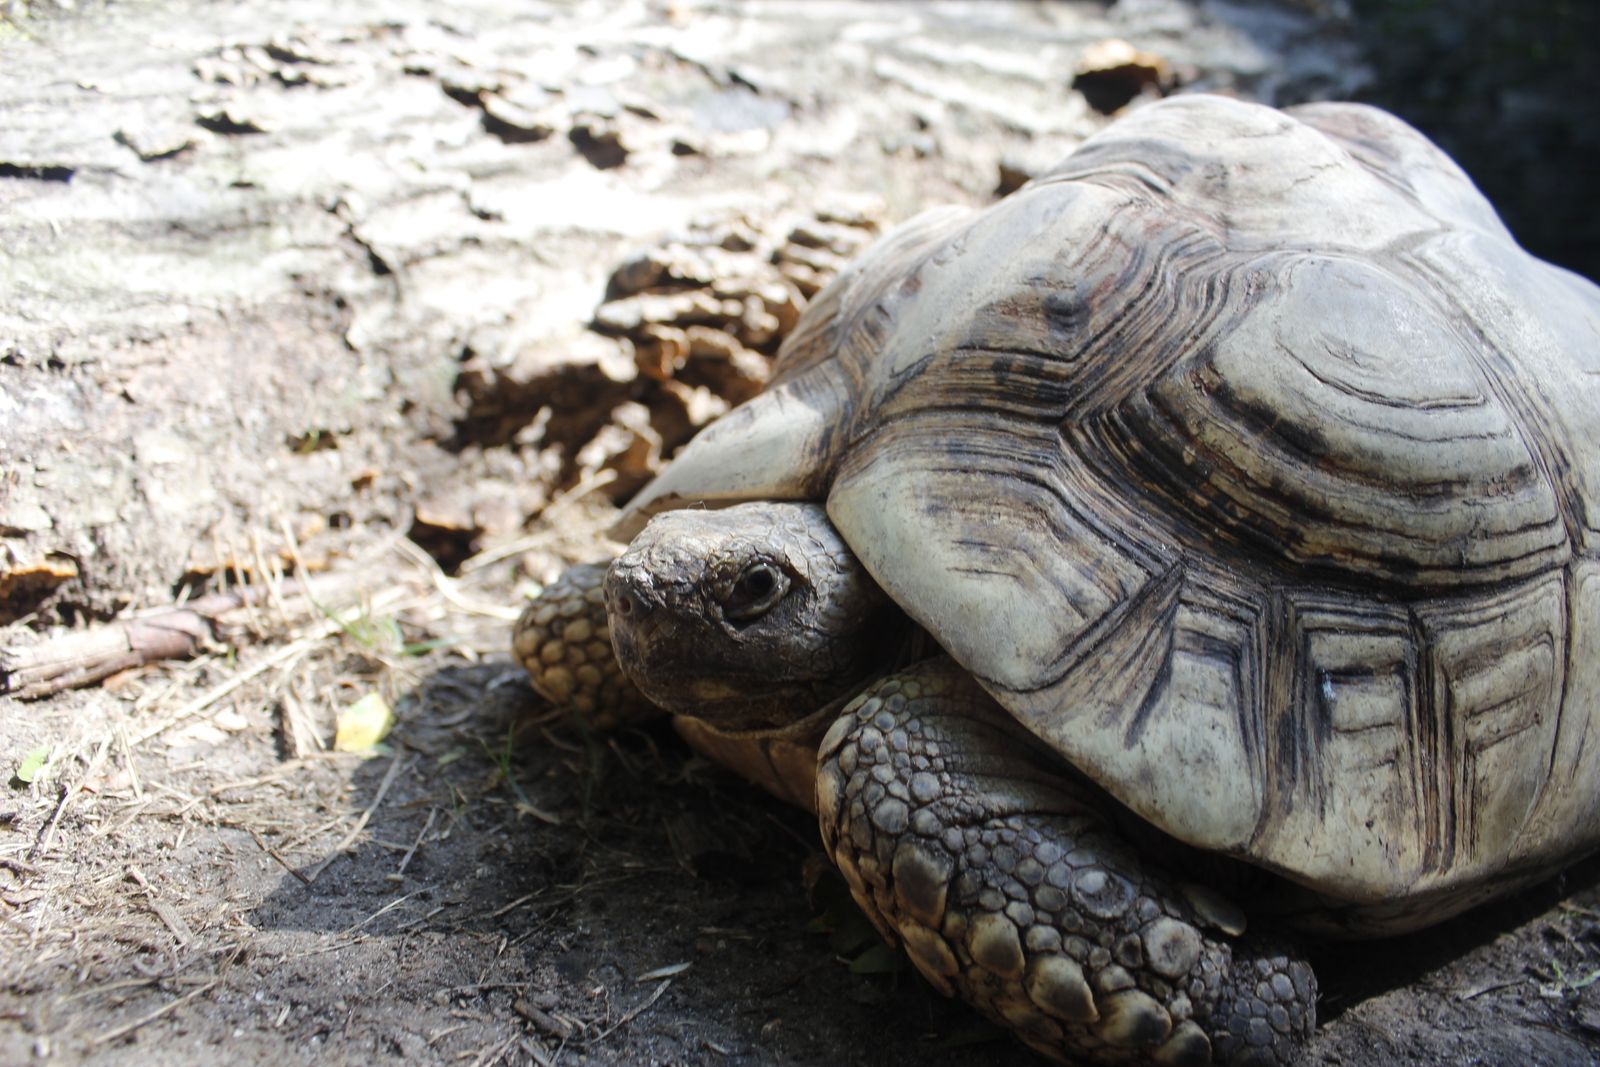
(363, 724)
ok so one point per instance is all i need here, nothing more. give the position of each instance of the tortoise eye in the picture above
(755, 591)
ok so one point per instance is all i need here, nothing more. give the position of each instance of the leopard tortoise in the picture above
(1237, 483)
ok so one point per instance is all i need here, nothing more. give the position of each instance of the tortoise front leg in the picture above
(563, 640)
(1009, 887)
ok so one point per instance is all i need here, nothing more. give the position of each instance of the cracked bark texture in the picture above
(246, 252)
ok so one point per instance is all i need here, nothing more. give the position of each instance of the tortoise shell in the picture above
(1245, 459)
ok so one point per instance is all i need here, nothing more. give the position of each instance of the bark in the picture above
(245, 250)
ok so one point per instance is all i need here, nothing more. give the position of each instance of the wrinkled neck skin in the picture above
(749, 617)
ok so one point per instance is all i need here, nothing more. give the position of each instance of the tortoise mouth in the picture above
(680, 665)
(660, 662)
(748, 617)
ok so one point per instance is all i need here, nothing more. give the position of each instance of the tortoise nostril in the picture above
(627, 598)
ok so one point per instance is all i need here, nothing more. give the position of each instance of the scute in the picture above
(1245, 459)
(782, 444)
(1344, 424)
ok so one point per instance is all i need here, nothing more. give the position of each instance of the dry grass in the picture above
(139, 852)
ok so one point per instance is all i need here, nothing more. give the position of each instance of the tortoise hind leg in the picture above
(1010, 888)
(563, 640)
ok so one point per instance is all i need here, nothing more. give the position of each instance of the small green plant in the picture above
(376, 634)
(502, 756)
(34, 765)
(1571, 985)
(851, 935)
(381, 635)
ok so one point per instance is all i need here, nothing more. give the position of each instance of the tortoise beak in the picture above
(633, 606)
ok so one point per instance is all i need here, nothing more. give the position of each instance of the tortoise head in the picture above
(748, 617)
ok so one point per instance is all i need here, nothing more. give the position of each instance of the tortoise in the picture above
(1194, 549)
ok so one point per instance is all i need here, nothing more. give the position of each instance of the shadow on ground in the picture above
(615, 896)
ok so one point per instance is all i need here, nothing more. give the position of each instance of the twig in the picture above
(492, 1055)
(67, 793)
(332, 624)
(312, 834)
(110, 987)
(275, 775)
(73, 660)
(1578, 909)
(272, 574)
(49, 830)
(211, 696)
(629, 1016)
(25, 869)
(514, 905)
(395, 903)
(127, 757)
(172, 918)
(562, 501)
(298, 723)
(81, 658)
(446, 585)
(405, 860)
(144, 1020)
(269, 850)
(361, 823)
(440, 1035)
(1473, 994)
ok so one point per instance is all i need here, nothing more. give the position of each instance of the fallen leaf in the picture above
(363, 724)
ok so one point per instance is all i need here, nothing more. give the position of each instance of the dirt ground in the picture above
(317, 310)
